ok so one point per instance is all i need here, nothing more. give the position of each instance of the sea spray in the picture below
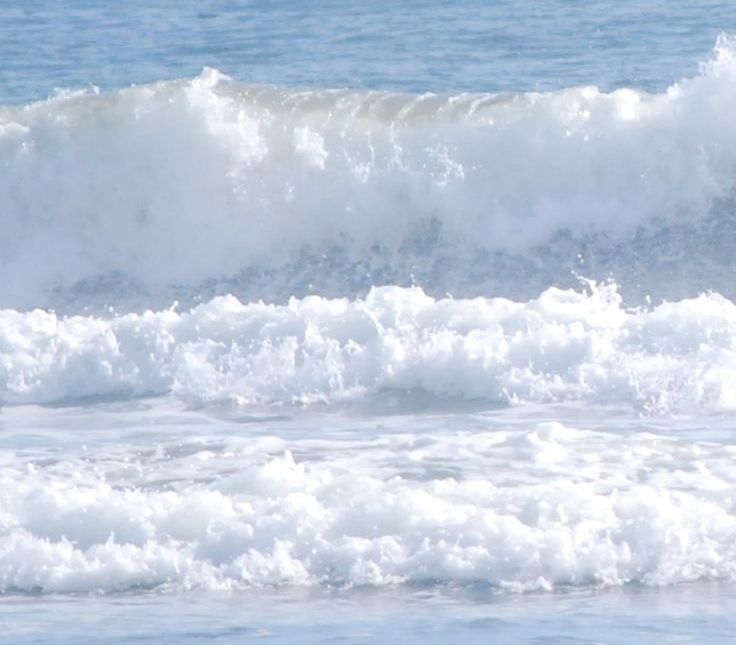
(188, 184)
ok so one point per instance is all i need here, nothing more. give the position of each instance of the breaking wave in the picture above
(222, 246)
(206, 186)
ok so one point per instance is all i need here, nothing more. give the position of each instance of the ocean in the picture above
(354, 322)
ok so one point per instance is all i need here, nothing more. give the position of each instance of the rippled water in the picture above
(412, 46)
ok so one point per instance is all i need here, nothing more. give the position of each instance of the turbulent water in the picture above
(202, 187)
(254, 335)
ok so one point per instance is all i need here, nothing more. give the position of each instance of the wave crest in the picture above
(187, 183)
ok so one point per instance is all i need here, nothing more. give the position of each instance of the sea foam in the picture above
(224, 249)
(533, 510)
(565, 345)
(179, 184)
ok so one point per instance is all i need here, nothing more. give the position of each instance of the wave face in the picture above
(206, 186)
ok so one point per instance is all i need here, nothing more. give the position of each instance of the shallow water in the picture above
(701, 612)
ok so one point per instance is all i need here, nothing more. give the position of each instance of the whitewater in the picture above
(202, 187)
(271, 340)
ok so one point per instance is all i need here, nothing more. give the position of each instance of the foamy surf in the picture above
(314, 330)
(179, 185)
(537, 509)
(564, 345)
(223, 249)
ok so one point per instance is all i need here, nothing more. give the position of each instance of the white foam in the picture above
(563, 345)
(527, 510)
(175, 186)
(181, 182)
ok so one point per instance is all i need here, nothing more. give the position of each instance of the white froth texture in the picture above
(585, 512)
(181, 182)
(563, 346)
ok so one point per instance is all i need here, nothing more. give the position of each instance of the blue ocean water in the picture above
(416, 46)
(338, 321)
